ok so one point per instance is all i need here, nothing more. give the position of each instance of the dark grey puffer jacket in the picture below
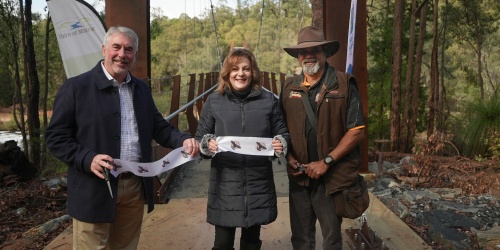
(241, 190)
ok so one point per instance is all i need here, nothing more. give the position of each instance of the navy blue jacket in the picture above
(86, 122)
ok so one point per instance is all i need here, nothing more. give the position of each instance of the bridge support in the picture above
(336, 26)
(133, 14)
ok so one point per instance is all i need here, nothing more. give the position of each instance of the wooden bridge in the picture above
(202, 84)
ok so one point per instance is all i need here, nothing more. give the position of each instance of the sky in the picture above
(170, 8)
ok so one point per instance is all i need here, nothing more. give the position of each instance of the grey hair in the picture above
(124, 31)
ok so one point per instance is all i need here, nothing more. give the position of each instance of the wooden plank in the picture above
(174, 104)
(191, 119)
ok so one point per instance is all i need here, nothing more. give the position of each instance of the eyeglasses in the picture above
(310, 52)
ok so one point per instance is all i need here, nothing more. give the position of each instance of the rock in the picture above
(21, 212)
(47, 227)
(12, 156)
(490, 237)
(448, 228)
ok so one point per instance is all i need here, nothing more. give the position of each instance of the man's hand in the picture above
(293, 166)
(191, 146)
(316, 169)
(99, 163)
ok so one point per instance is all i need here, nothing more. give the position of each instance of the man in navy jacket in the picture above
(100, 115)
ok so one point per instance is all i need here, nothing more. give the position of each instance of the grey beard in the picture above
(310, 70)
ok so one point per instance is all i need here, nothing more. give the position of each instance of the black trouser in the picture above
(224, 238)
(308, 204)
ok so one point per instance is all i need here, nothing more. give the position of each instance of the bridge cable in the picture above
(260, 27)
(219, 58)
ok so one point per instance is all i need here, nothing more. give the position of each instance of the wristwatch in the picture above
(329, 160)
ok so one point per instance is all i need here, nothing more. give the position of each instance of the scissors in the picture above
(106, 177)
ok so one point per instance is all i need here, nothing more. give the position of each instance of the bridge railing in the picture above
(198, 88)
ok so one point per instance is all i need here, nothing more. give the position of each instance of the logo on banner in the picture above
(261, 146)
(184, 154)
(235, 145)
(165, 163)
(116, 166)
(77, 26)
(142, 169)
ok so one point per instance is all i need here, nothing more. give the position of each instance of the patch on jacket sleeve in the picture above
(294, 94)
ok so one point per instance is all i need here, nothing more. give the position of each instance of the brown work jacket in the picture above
(331, 116)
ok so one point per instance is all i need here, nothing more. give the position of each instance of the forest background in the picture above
(433, 66)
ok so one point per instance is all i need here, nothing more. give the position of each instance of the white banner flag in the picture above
(80, 33)
(172, 160)
(350, 41)
(246, 145)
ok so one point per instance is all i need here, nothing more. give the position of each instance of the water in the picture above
(7, 136)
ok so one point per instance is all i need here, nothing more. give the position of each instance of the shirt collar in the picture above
(115, 82)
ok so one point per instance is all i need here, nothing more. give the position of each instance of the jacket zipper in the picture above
(245, 198)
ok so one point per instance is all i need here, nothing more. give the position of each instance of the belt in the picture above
(126, 175)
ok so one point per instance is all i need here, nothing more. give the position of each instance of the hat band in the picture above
(312, 41)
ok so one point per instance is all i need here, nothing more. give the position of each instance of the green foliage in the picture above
(481, 123)
(6, 86)
(494, 146)
(185, 45)
(53, 166)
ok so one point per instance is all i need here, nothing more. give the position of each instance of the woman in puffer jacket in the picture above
(241, 190)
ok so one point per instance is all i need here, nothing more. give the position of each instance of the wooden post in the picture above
(133, 14)
(192, 121)
(174, 105)
(336, 24)
(273, 83)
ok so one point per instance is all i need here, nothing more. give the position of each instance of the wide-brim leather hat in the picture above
(311, 37)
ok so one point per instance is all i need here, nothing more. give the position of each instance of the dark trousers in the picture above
(308, 204)
(224, 238)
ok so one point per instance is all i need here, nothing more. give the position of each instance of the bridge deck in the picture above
(181, 224)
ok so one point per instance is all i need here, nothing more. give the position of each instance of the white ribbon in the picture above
(246, 145)
(172, 160)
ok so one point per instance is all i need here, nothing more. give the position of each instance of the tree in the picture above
(9, 40)
(396, 75)
(32, 88)
(415, 101)
(473, 22)
(405, 125)
(434, 84)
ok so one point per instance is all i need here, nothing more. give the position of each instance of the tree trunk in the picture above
(434, 85)
(46, 88)
(480, 81)
(443, 114)
(33, 90)
(396, 75)
(22, 122)
(405, 141)
(415, 101)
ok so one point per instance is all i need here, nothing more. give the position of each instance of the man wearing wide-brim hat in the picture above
(324, 157)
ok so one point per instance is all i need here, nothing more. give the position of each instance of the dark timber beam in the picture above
(336, 15)
(135, 15)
